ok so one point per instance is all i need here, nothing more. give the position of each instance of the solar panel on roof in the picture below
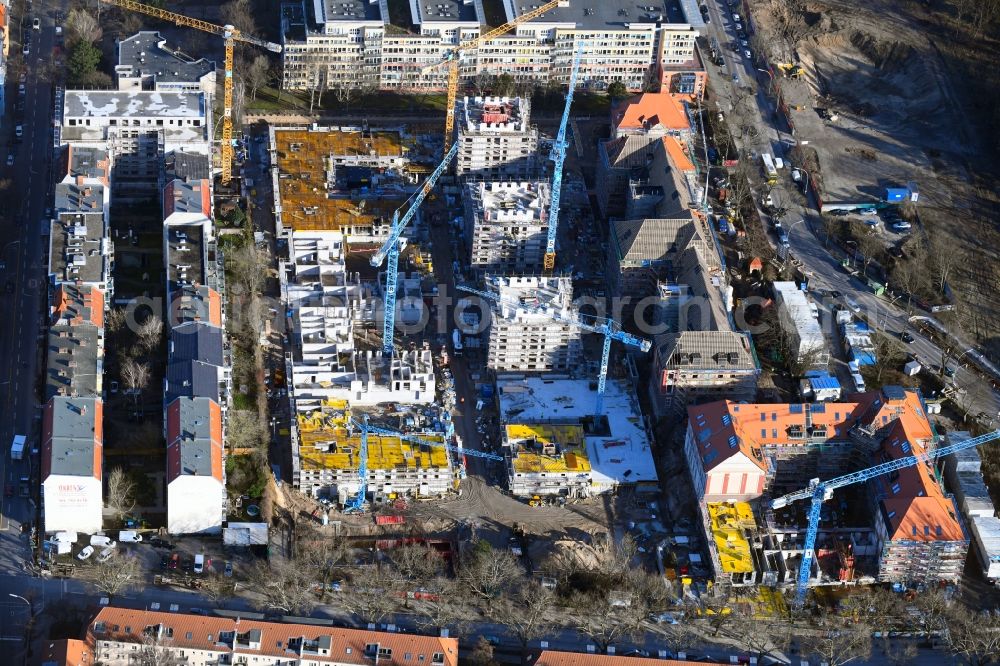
(726, 419)
(733, 441)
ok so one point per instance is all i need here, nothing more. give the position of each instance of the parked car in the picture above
(229, 570)
(129, 536)
(736, 18)
(906, 337)
(106, 554)
(10, 159)
(175, 561)
(100, 540)
(199, 563)
(36, 24)
(901, 225)
(85, 553)
(747, 54)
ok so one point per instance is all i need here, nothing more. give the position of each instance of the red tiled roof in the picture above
(651, 109)
(70, 652)
(346, 646)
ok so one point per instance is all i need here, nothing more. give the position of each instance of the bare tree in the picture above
(246, 430)
(482, 653)
(121, 494)
(257, 73)
(218, 588)
(82, 25)
(934, 609)
(117, 575)
(887, 352)
(836, 647)
(344, 93)
(525, 612)
(945, 255)
(488, 572)
(320, 556)
(283, 586)
(239, 14)
(155, 650)
(760, 635)
(150, 333)
(973, 637)
(436, 605)
(417, 562)
(482, 82)
(374, 593)
(606, 618)
(614, 558)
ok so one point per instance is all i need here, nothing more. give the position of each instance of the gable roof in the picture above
(652, 239)
(72, 437)
(70, 652)
(554, 658)
(274, 639)
(194, 438)
(650, 110)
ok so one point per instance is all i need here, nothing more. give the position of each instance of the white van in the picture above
(129, 536)
(199, 563)
(100, 540)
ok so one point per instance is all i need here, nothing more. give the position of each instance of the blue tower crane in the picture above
(357, 503)
(820, 491)
(558, 157)
(609, 328)
(390, 249)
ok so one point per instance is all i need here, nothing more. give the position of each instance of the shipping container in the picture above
(389, 520)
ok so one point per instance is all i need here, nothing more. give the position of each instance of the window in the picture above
(188, 635)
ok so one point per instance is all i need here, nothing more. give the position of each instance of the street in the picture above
(806, 239)
(22, 243)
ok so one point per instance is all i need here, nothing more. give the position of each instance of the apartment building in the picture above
(697, 365)
(653, 115)
(138, 129)
(507, 224)
(645, 175)
(80, 251)
(196, 485)
(145, 62)
(526, 341)
(556, 658)
(542, 419)
(74, 358)
(119, 636)
(72, 458)
(496, 139)
(390, 46)
(328, 457)
(738, 452)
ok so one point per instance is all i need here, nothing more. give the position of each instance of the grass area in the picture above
(245, 476)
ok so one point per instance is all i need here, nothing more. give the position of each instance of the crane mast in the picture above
(820, 491)
(558, 157)
(609, 328)
(230, 34)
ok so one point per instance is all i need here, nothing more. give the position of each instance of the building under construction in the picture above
(547, 459)
(507, 226)
(327, 458)
(526, 341)
(341, 180)
(495, 139)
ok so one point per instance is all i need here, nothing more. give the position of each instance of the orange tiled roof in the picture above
(677, 154)
(914, 504)
(651, 109)
(344, 646)
(553, 658)
(70, 652)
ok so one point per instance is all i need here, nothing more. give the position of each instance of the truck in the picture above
(770, 172)
(17, 447)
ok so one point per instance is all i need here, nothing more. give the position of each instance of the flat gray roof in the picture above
(195, 436)
(117, 104)
(594, 14)
(186, 166)
(185, 256)
(73, 364)
(87, 162)
(347, 10)
(437, 11)
(146, 54)
(73, 198)
(75, 250)
(73, 433)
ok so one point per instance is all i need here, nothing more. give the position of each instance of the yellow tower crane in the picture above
(453, 57)
(230, 34)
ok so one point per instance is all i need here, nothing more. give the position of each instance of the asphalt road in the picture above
(806, 238)
(23, 273)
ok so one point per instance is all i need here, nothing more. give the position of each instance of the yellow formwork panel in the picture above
(569, 439)
(727, 522)
(338, 450)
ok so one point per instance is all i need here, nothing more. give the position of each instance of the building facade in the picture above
(525, 341)
(495, 138)
(507, 224)
(72, 456)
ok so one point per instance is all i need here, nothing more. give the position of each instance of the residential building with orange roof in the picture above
(740, 452)
(652, 114)
(66, 652)
(115, 634)
(72, 459)
(196, 488)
